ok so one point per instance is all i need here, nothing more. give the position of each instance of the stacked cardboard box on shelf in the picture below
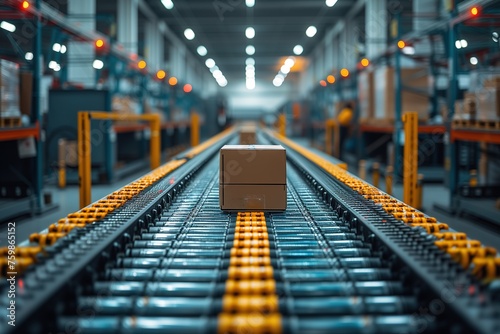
(366, 95)
(252, 177)
(411, 101)
(9, 89)
(488, 100)
(481, 103)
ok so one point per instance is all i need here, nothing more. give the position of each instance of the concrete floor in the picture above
(487, 233)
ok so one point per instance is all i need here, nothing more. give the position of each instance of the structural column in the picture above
(376, 27)
(127, 24)
(81, 54)
(154, 45)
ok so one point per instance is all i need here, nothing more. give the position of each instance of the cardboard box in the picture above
(248, 135)
(488, 104)
(366, 95)
(252, 177)
(385, 89)
(9, 88)
(26, 89)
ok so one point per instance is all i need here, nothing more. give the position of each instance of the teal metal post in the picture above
(398, 126)
(36, 115)
(452, 96)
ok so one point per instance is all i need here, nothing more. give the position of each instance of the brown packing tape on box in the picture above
(253, 197)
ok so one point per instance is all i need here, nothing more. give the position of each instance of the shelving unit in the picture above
(477, 202)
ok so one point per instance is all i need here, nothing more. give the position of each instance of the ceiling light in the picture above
(330, 79)
(98, 64)
(250, 61)
(331, 3)
(495, 37)
(217, 74)
(473, 60)
(213, 69)
(168, 4)
(409, 50)
(280, 76)
(277, 82)
(250, 50)
(52, 64)
(189, 34)
(57, 68)
(28, 56)
(464, 43)
(187, 88)
(172, 81)
(285, 69)
(250, 3)
(298, 49)
(8, 26)
(250, 85)
(250, 32)
(56, 47)
(311, 31)
(210, 63)
(290, 62)
(365, 62)
(63, 49)
(202, 51)
(458, 45)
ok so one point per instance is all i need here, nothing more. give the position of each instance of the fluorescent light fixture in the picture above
(331, 3)
(409, 50)
(298, 49)
(168, 4)
(250, 61)
(98, 64)
(8, 26)
(250, 50)
(473, 60)
(250, 32)
(277, 82)
(290, 62)
(250, 3)
(28, 56)
(189, 34)
(202, 51)
(210, 63)
(217, 74)
(311, 31)
(250, 85)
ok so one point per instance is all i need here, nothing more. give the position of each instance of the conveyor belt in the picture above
(170, 261)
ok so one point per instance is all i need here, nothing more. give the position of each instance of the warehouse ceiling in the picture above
(279, 26)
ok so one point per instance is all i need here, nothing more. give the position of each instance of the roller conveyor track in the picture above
(316, 270)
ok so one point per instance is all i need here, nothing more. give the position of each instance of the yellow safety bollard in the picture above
(362, 169)
(410, 164)
(282, 125)
(389, 174)
(375, 174)
(195, 129)
(62, 163)
(473, 178)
